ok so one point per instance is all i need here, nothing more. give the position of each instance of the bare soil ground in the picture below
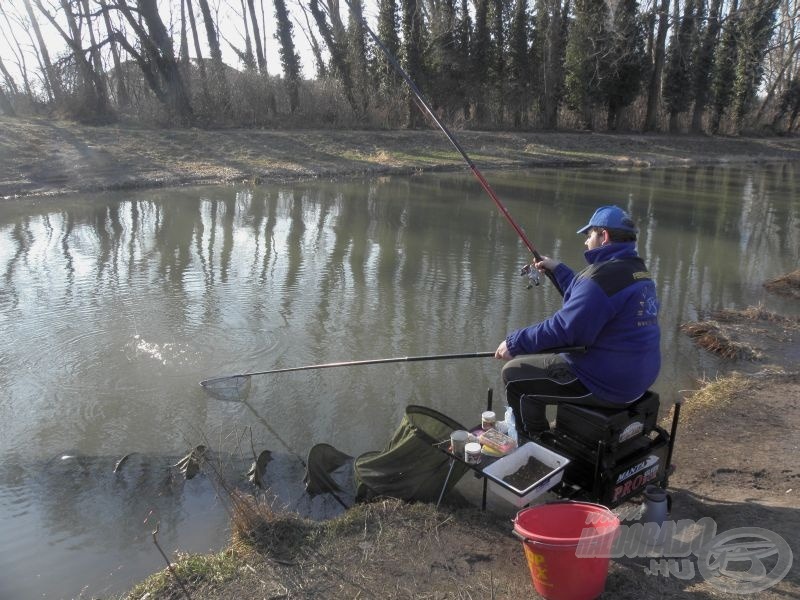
(44, 157)
(737, 450)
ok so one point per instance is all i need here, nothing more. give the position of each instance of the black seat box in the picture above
(612, 426)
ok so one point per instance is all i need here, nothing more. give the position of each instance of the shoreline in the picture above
(50, 158)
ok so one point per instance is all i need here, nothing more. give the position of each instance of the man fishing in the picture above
(610, 308)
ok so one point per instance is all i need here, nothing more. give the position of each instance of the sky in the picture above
(230, 26)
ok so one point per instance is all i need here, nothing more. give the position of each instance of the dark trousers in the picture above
(537, 380)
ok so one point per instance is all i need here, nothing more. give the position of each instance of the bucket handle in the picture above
(519, 536)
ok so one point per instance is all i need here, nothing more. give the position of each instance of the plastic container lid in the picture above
(472, 448)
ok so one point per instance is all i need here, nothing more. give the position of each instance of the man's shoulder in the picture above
(617, 274)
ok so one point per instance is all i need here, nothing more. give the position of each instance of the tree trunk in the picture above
(123, 99)
(93, 85)
(703, 65)
(250, 60)
(8, 78)
(554, 63)
(53, 83)
(654, 87)
(157, 59)
(260, 58)
(95, 100)
(479, 55)
(673, 123)
(336, 44)
(289, 58)
(201, 65)
(412, 42)
(5, 104)
(499, 61)
(218, 68)
(97, 59)
(770, 96)
(322, 70)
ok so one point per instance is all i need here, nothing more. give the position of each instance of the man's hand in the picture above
(502, 352)
(546, 264)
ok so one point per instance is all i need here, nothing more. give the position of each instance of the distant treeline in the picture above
(715, 66)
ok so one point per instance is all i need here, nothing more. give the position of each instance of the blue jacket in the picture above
(611, 308)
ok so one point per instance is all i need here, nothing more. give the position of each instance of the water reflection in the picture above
(113, 307)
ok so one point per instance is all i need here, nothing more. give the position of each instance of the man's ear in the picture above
(606, 237)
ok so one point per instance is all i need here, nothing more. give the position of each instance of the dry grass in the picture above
(786, 285)
(751, 313)
(386, 549)
(709, 336)
(717, 392)
(279, 536)
(752, 334)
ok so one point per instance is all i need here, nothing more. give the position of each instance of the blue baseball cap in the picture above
(610, 217)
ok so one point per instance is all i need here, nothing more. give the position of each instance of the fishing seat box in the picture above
(618, 428)
(619, 475)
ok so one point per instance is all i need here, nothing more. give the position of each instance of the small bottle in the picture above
(511, 423)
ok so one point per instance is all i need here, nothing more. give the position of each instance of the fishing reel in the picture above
(532, 276)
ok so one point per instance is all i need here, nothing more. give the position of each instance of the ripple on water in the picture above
(236, 350)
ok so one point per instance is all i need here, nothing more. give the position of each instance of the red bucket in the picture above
(567, 546)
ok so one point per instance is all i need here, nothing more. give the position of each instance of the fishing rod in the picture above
(211, 384)
(237, 386)
(527, 270)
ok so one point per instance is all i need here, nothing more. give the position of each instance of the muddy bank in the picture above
(46, 157)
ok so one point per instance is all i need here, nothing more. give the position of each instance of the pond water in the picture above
(113, 307)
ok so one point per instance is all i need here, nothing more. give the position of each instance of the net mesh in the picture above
(228, 389)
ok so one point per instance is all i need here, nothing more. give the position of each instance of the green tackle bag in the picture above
(412, 466)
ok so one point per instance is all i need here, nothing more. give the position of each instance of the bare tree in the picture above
(250, 60)
(334, 35)
(16, 48)
(52, 81)
(308, 32)
(93, 101)
(219, 83)
(5, 103)
(260, 58)
(123, 98)
(9, 80)
(201, 65)
(156, 58)
(94, 51)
